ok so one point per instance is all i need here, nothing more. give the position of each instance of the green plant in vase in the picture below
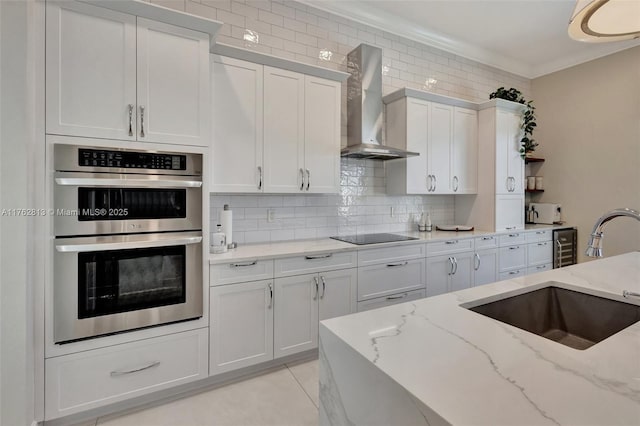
(528, 125)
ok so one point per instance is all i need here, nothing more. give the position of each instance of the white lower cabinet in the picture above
(513, 257)
(91, 379)
(338, 293)
(241, 327)
(539, 268)
(539, 253)
(393, 299)
(449, 273)
(521, 272)
(485, 268)
(390, 278)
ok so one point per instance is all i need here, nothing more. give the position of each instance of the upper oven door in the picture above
(106, 203)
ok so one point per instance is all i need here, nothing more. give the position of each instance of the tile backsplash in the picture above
(360, 207)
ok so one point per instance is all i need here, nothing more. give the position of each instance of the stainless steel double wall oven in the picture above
(128, 240)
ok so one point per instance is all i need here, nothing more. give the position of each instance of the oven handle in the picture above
(97, 246)
(138, 183)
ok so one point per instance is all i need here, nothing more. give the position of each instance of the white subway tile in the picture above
(257, 237)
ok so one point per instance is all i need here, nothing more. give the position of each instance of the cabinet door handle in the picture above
(308, 179)
(402, 296)
(455, 184)
(321, 256)
(317, 288)
(259, 177)
(392, 265)
(270, 296)
(130, 119)
(514, 248)
(135, 370)
(435, 182)
(324, 286)
(451, 263)
(240, 265)
(428, 183)
(477, 262)
(455, 264)
(301, 180)
(142, 121)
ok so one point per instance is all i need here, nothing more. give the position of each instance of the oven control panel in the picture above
(131, 159)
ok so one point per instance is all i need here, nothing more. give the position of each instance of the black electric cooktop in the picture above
(372, 238)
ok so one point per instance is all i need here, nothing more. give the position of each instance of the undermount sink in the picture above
(572, 318)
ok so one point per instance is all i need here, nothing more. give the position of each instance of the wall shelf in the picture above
(528, 160)
(534, 190)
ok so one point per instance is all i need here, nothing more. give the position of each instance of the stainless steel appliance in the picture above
(365, 239)
(128, 246)
(565, 247)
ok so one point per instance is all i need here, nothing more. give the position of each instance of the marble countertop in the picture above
(307, 247)
(470, 369)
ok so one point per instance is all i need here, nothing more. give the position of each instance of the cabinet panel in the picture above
(513, 257)
(418, 120)
(296, 314)
(464, 151)
(283, 130)
(509, 212)
(539, 268)
(539, 253)
(462, 277)
(509, 164)
(338, 295)
(241, 328)
(393, 299)
(541, 235)
(315, 263)
(512, 238)
(390, 254)
(389, 278)
(90, 71)
(513, 274)
(236, 125)
(438, 270)
(95, 378)
(322, 135)
(439, 149)
(249, 270)
(453, 245)
(173, 84)
(488, 241)
(485, 267)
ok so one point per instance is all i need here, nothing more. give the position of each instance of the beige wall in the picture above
(589, 132)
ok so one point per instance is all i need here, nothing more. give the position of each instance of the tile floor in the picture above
(287, 396)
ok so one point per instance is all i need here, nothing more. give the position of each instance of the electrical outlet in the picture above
(271, 215)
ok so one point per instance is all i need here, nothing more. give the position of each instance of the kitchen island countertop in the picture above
(434, 362)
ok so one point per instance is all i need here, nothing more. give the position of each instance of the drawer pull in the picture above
(402, 296)
(541, 232)
(514, 272)
(510, 227)
(392, 265)
(487, 238)
(240, 265)
(135, 370)
(542, 244)
(541, 267)
(451, 242)
(514, 235)
(322, 256)
(514, 248)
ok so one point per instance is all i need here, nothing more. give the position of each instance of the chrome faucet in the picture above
(594, 249)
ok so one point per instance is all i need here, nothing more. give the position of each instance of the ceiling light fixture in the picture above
(605, 20)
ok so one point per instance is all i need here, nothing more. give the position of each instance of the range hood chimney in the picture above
(365, 109)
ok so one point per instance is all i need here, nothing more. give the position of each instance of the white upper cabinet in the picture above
(284, 130)
(445, 136)
(90, 71)
(114, 76)
(236, 125)
(464, 151)
(509, 164)
(173, 84)
(284, 127)
(439, 148)
(322, 135)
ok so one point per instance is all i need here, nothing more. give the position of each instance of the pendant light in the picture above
(605, 20)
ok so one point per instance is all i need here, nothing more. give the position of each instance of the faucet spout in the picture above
(594, 248)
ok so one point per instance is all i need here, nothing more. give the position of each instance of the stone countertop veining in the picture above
(459, 367)
(282, 249)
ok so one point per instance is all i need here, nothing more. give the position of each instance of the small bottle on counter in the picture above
(422, 224)
(218, 241)
(428, 224)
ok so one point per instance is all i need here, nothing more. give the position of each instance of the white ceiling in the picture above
(525, 37)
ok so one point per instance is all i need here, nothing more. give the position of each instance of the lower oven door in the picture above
(111, 284)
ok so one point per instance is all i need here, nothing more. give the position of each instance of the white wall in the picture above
(589, 132)
(16, 189)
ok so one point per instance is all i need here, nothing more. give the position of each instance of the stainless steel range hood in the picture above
(365, 109)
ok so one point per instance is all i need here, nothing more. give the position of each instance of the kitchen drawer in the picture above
(539, 253)
(390, 254)
(390, 278)
(315, 263)
(91, 379)
(539, 268)
(512, 238)
(454, 245)
(486, 242)
(540, 235)
(381, 302)
(513, 257)
(249, 270)
(513, 274)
